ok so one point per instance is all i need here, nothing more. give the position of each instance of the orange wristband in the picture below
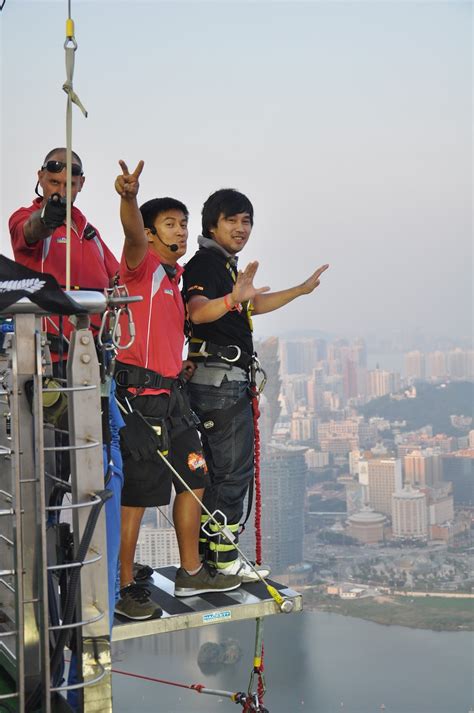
(227, 304)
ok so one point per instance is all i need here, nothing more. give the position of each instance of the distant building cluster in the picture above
(320, 453)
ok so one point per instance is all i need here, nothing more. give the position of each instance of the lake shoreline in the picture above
(433, 613)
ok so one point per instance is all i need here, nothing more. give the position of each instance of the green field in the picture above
(437, 613)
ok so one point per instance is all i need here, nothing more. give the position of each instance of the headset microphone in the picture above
(173, 247)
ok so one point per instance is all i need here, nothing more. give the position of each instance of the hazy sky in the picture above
(348, 124)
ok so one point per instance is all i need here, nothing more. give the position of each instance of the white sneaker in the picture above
(244, 570)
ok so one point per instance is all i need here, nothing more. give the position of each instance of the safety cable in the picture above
(249, 702)
(70, 46)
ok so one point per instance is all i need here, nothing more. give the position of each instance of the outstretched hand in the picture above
(312, 282)
(127, 184)
(244, 288)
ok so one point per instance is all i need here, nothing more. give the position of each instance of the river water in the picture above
(315, 663)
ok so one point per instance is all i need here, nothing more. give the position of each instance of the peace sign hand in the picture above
(127, 184)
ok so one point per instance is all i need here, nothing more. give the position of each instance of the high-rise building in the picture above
(303, 426)
(457, 364)
(415, 365)
(409, 514)
(158, 547)
(298, 356)
(283, 494)
(316, 459)
(458, 468)
(349, 375)
(440, 505)
(339, 437)
(267, 350)
(315, 389)
(380, 383)
(437, 365)
(423, 468)
(385, 478)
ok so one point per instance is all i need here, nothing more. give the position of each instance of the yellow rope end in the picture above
(275, 594)
(69, 28)
(257, 662)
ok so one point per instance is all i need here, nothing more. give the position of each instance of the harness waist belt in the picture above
(230, 354)
(129, 375)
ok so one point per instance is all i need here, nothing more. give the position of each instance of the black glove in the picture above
(54, 211)
(142, 437)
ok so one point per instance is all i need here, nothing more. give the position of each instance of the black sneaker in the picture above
(135, 603)
(205, 581)
(142, 572)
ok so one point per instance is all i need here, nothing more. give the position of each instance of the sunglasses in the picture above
(58, 166)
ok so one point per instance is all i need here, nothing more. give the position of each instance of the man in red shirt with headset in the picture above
(147, 378)
(38, 235)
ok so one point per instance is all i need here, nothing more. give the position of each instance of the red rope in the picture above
(258, 490)
(258, 509)
(193, 686)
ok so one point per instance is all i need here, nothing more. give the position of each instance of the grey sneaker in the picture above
(142, 572)
(205, 581)
(135, 603)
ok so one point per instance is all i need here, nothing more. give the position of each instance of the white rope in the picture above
(70, 46)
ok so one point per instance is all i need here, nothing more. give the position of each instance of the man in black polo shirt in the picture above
(221, 299)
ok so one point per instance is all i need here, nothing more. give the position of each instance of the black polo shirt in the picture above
(209, 274)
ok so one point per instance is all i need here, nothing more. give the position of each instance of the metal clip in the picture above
(257, 368)
(117, 332)
(223, 529)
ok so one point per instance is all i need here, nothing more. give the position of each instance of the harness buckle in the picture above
(232, 360)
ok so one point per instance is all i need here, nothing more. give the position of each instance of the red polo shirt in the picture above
(92, 263)
(159, 318)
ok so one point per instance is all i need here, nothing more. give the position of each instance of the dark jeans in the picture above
(229, 450)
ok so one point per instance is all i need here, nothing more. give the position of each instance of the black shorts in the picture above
(147, 483)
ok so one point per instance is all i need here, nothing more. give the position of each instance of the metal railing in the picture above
(30, 568)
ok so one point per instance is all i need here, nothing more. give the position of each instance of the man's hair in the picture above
(226, 201)
(152, 209)
(61, 149)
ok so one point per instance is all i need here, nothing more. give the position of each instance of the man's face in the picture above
(172, 227)
(232, 232)
(51, 182)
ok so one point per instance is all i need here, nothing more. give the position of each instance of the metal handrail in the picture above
(92, 302)
(71, 506)
(91, 444)
(8, 633)
(6, 696)
(75, 624)
(84, 684)
(71, 565)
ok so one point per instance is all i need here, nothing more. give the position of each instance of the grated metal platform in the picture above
(248, 602)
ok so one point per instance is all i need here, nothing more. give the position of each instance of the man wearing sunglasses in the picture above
(38, 235)
(38, 232)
